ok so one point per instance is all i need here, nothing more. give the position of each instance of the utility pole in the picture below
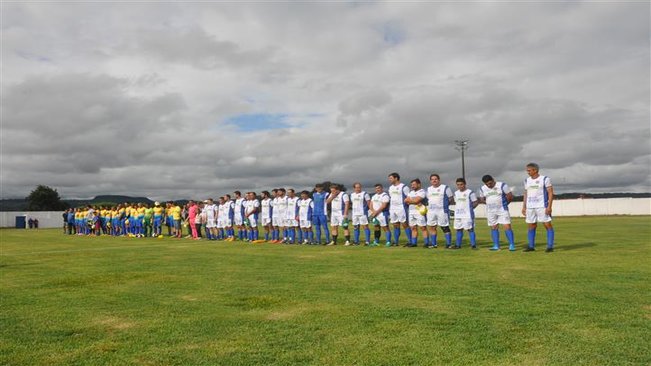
(462, 145)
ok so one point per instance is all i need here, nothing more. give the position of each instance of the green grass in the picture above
(68, 300)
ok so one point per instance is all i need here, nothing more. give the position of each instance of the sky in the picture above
(193, 100)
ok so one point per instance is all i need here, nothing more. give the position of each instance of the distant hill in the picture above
(20, 204)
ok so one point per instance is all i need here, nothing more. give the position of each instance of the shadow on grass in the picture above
(575, 246)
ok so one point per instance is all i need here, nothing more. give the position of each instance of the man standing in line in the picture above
(439, 199)
(319, 215)
(397, 208)
(497, 196)
(360, 202)
(464, 213)
(340, 202)
(415, 199)
(380, 215)
(537, 206)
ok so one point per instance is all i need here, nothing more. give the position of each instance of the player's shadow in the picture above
(577, 246)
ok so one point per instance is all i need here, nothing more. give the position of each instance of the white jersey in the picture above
(251, 206)
(265, 211)
(463, 208)
(536, 189)
(398, 193)
(209, 211)
(359, 203)
(239, 207)
(291, 208)
(338, 203)
(414, 194)
(438, 198)
(280, 207)
(495, 197)
(305, 208)
(379, 199)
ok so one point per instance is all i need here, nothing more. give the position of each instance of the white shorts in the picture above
(336, 219)
(360, 220)
(291, 223)
(501, 218)
(265, 221)
(277, 221)
(220, 224)
(253, 222)
(382, 220)
(306, 224)
(537, 215)
(238, 220)
(465, 224)
(438, 218)
(416, 219)
(397, 217)
(227, 222)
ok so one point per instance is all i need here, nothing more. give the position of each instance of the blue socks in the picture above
(531, 236)
(550, 238)
(495, 235)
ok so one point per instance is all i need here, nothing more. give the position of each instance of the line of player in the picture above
(289, 218)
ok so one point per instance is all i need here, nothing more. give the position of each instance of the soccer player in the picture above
(397, 207)
(221, 216)
(305, 215)
(340, 202)
(415, 199)
(265, 214)
(319, 215)
(279, 216)
(464, 213)
(229, 214)
(537, 206)
(439, 199)
(291, 214)
(360, 202)
(497, 196)
(211, 215)
(147, 222)
(380, 214)
(251, 211)
(159, 211)
(176, 219)
(238, 217)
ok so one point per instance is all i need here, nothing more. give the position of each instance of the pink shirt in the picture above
(192, 212)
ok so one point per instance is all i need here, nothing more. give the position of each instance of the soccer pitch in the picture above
(117, 301)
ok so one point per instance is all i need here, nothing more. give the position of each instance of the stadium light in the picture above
(462, 145)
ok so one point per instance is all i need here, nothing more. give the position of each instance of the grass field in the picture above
(69, 300)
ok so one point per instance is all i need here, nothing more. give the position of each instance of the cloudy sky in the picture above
(180, 100)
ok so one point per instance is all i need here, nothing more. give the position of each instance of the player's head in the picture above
(265, 194)
(318, 187)
(415, 184)
(357, 187)
(532, 169)
(461, 184)
(378, 188)
(394, 178)
(335, 188)
(237, 194)
(434, 179)
(291, 192)
(281, 192)
(227, 197)
(305, 194)
(274, 192)
(488, 181)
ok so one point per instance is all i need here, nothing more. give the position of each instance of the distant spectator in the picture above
(30, 223)
(35, 223)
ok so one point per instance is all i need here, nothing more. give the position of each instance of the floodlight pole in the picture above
(462, 145)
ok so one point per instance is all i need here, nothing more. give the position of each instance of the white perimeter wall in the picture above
(576, 207)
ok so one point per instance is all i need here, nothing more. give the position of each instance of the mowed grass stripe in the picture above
(196, 302)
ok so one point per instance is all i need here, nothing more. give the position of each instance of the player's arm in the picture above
(346, 204)
(474, 201)
(550, 199)
(329, 198)
(524, 200)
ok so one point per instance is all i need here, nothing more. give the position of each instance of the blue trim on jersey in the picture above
(545, 194)
(505, 202)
